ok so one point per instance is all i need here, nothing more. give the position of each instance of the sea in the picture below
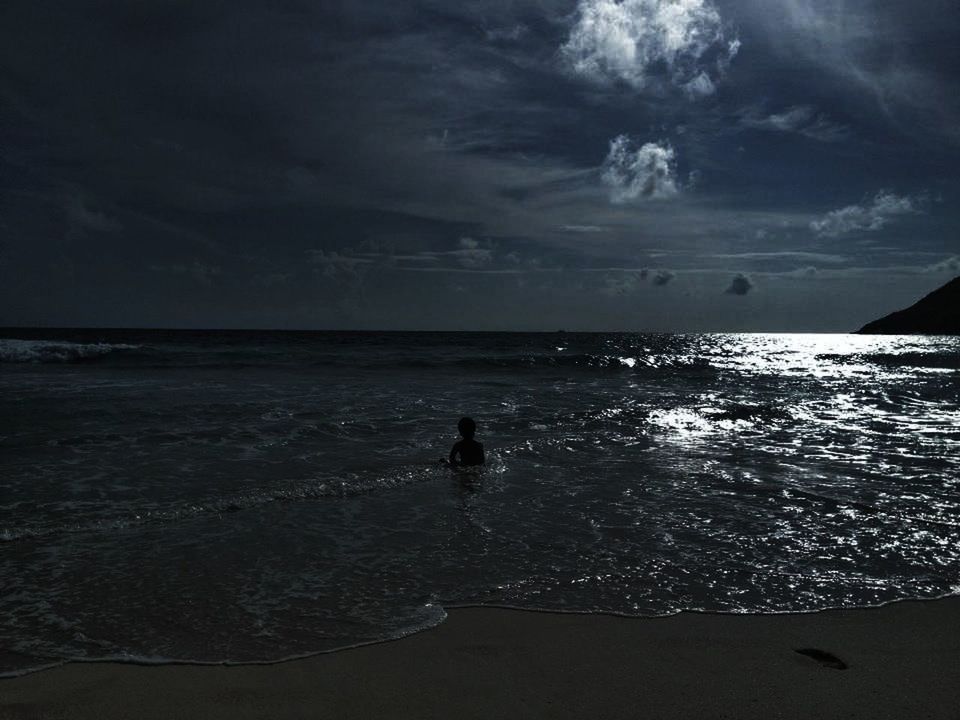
(253, 496)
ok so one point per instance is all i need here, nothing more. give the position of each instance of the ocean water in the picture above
(252, 496)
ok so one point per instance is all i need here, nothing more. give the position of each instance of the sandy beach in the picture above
(901, 661)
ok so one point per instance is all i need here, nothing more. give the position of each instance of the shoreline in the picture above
(142, 661)
(899, 658)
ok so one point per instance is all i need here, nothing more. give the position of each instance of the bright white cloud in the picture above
(867, 217)
(648, 41)
(633, 174)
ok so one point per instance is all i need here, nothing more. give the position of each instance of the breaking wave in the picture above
(54, 351)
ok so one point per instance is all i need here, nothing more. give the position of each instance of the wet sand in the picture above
(900, 661)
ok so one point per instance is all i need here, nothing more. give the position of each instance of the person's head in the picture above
(467, 427)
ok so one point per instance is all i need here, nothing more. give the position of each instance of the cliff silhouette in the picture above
(936, 314)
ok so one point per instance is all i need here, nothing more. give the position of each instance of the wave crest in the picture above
(55, 351)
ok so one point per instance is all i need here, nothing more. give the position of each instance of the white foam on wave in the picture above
(55, 351)
(432, 615)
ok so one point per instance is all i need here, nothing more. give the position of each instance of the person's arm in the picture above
(453, 455)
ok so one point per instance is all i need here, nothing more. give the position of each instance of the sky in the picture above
(659, 165)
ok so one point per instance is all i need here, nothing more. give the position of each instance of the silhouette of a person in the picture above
(467, 452)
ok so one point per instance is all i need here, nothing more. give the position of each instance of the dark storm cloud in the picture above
(662, 277)
(340, 163)
(739, 285)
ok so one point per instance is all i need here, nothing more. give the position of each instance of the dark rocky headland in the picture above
(936, 314)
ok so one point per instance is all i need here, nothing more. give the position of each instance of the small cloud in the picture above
(581, 228)
(506, 34)
(700, 86)
(649, 173)
(790, 120)
(474, 259)
(417, 259)
(950, 265)
(867, 217)
(824, 130)
(81, 219)
(333, 265)
(644, 42)
(739, 285)
(621, 284)
(471, 254)
(662, 277)
(804, 272)
(801, 119)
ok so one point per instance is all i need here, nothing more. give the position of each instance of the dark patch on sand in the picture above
(823, 657)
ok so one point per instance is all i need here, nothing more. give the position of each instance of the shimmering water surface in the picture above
(252, 496)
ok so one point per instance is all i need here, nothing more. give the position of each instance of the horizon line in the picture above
(436, 331)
